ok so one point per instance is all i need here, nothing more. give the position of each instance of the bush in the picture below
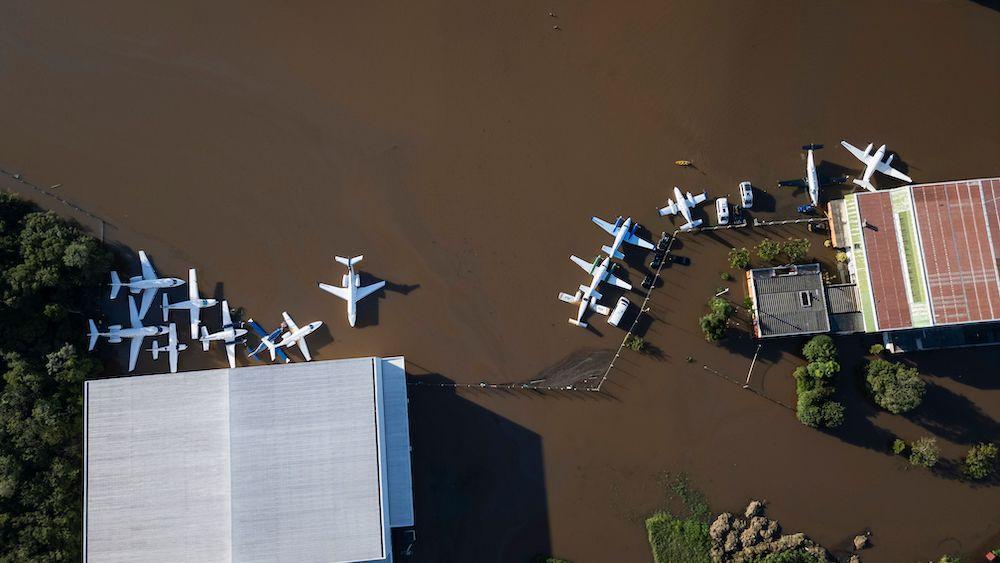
(924, 451)
(980, 461)
(840, 256)
(820, 348)
(804, 381)
(876, 349)
(898, 446)
(814, 408)
(739, 258)
(823, 369)
(635, 343)
(673, 539)
(788, 556)
(720, 306)
(714, 326)
(726, 276)
(768, 250)
(894, 387)
(748, 305)
(795, 249)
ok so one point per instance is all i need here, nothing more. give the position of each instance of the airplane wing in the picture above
(133, 315)
(227, 319)
(340, 292)
(670, 209)
(147, 300)
(133, 351)
(231, 352)
(888, 170)
(587, 266)
(699, 198)
(367, 290)
(604, 225)
(304, 349)
(610, 278)
(858, 154)
(259, 330)
(172, 347)
(193, 285)
(636, 241)
(195, 321)
(292, 327)
(148, 273)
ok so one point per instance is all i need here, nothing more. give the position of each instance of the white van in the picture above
(722, 210)
(746, 194)
(616, 316)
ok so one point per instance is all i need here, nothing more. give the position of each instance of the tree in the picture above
(925, 452)
(898, 446)
(720, 306)
(768, 250)
(981, 461)
(820, 348)
(795, 249)
(814, 408)
(739, 258)
(824, 369)
(894, 387)
(714, 326)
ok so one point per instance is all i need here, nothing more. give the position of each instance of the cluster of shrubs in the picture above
(794, 250)
(979, 463)
(815, 406)
(715, 323)
(893, 386)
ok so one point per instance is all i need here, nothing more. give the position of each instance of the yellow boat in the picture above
(682, 162)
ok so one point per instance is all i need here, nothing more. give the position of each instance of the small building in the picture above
(788, 301)
(295, 462)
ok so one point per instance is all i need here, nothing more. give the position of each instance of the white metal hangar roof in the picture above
(294, 462)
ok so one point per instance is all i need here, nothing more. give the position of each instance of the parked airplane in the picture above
(873, 162)
(351, 291)
(148, 283)
(684, 204)
(136, 332)
(274, 336)
(812, 181)
(228, 334)
(295, 335)
(172, 347)
(588, 296)
(623, 231)
(194, 304)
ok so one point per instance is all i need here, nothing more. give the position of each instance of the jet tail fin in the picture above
(155, 350)
(616, 253)
(116, 284)
(92, 334)
(351, 261)
(811, 147)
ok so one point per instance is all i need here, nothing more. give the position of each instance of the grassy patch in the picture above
(675, 539)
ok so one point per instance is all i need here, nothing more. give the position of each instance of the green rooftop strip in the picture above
(857, 252)
(902, 206)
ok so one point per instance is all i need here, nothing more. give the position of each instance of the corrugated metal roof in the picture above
(397, 442)
(779, 295)
(847, 323)
(842, 298)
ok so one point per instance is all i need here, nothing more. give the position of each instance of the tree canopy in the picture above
(894, 387)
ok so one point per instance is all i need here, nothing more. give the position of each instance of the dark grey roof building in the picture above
(788, 301)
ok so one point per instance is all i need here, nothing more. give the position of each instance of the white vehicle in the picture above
(588, 296)
(148, 283)
(684, 204)
(746, 194)
(172, 348)
(623, 231)
(136, 332)
(351, 289)
(228, 334)
(812, 182)
(722, 210)
(619, 311)
(295, 335)
(873, 162)
(194, 304)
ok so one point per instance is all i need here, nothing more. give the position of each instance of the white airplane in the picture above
(588, 296)
(148, 283)
(873, 162)
(812, 181)
(228, 334)
(194, 304)
(684, 204)
(136, 332)
(172, 347)
(623, 231)
(351, 291)
(295, 335)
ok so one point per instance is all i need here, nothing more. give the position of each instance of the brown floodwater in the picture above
(462, 147)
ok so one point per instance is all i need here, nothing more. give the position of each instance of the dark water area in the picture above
(462, 147)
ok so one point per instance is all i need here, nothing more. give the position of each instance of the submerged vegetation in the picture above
(981, 461)
(814, 386)
(715, 323)
(50, 270)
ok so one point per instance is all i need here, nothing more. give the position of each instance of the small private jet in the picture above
(623, 231)
(273, 337)
(229, 334)
(194, 304)
(588, 296)
(873, 163)
(351, 289)
(136, 332)
(295, 335)
(172, 347)
(148, 283)
(812, 181)
(684, 204)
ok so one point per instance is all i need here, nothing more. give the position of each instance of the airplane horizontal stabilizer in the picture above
(616, 253)
(350, 262)
(116, 284)
(865, 184)
(581, 324)
(812, 147)
(92, 334)
(563, 296)
(600, 309)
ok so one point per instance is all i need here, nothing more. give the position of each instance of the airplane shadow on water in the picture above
(368, 309)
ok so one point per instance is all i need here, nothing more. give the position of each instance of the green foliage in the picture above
(840, 256)
(726, 276)
(894, 387)
(748, 305)
(51, 271)
(820, 348)
(692, 503)
(768, 250)
(635, 343)
(804, 381)
(815, 408)
(925, 452)
(876, 349)
(795, 249)
(981, 461)
(824, 369)
(714, 326)
(788, 556)
(720, 306)
(949, 559)
(739, 258)
(674, 539)
(898, 446)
